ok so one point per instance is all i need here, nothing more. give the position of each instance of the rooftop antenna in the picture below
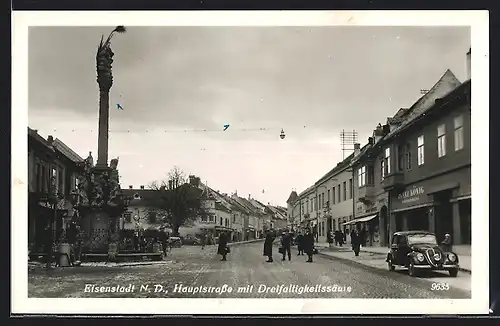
(347, 141)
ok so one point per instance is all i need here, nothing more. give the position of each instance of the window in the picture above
(387, 161)
(458, 124)
(362, 176)
(220, 222)
(344, 187)
(401, 158)
(307, 207)
(420, 150)
(408, 156)
(53, 181)
(441, 140)
(152, 217)
(382, 169)
(338, 191)
(328, 201)
(128, 216)
(211, 218)
(234, 218)
(333, 195)
(350, 188)
(370, 175)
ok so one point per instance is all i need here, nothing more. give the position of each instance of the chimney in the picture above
(371, 141)
(142, 187)
(130, 187)
(194, 181)
(249, 196)
(468, 64)
(386, 129)
(357, 149)
(378, 133)
(50, 139)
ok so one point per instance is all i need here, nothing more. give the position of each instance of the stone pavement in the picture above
(198, 273)
(464, 260)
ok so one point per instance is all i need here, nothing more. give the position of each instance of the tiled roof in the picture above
(66, 151)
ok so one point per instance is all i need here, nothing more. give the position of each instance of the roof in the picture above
(143, 194)
(37, 137)
(293, 197)
(446, 84)
(66, 151)
(341, 166)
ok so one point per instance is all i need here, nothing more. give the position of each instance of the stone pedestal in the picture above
(96, 226)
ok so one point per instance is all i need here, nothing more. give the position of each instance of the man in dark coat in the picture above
(223, 249)
(299, 240)
(308, 245)
(356, 241)
(268, 246)
(286, 242)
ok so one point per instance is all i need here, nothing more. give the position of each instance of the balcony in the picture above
(395, 180)
(366, 193)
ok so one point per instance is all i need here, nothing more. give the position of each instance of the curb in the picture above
(371, 252)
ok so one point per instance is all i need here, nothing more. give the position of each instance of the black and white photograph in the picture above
(189, 157)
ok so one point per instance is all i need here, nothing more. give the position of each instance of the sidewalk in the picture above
(464, 260)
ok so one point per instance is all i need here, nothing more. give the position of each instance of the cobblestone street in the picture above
(195, 268)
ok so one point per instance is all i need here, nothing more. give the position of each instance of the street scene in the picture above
(222, 162)
(192, 268)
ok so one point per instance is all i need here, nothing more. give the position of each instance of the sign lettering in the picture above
(411, 195)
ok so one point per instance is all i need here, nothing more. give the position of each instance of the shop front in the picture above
(440, 205)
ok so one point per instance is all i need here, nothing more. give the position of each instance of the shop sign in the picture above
(411, 195)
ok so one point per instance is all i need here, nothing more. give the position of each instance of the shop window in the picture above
(458, 124)
(441, 137)
(420, 150)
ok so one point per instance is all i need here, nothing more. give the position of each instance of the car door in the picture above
(395, 249)
(403, 249)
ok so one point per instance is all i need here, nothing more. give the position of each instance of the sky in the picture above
(179, 86)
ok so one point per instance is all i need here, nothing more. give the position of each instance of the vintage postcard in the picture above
(317, 161)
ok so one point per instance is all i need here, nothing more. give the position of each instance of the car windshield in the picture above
(421, 238)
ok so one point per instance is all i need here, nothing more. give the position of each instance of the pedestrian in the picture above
(268, 246)
(203, 240)
(299, 240)
(363, 237)
(223, 249)
(286, 242)
(446, 244)
(355, 241)
(329, 238)
(308, 245)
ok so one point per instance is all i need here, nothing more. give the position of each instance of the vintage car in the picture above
(175, 242)
(418, 250)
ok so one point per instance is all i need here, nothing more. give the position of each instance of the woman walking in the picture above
(268, 246)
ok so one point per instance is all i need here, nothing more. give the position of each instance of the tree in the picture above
(176, 200)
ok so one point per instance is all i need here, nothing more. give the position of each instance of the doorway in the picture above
(443, 214)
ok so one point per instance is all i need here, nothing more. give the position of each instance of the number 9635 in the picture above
(440, 286)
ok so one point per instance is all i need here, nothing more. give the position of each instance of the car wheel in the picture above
(453, 272)
(411, 269)
(390, 265)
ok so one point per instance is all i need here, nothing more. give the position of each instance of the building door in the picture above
(443, 214)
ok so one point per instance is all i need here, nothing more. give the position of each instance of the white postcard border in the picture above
(477, 20)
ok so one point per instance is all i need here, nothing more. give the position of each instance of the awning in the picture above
(361, 219)
(412, 207)
(366, 218)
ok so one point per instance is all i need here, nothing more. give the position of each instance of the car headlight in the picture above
(452, 257)
(420, 257)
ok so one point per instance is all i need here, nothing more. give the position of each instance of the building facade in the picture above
(53, 169)
(414, 173)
